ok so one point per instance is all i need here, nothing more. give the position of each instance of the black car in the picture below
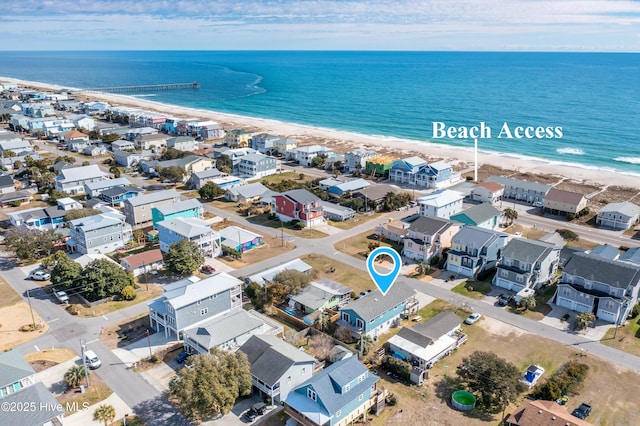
(259, 408)
(182, 357)
(250, 415)
(505, 299)
(582, 412)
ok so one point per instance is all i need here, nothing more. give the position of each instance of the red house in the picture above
(299, 204)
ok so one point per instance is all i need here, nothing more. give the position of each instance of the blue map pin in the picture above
(384, 281)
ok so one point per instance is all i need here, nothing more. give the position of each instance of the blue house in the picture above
(481, 215)
(117, 195)
(436, 175)
(406, 170)
(338, 395)
(373, 314)
(186, 209)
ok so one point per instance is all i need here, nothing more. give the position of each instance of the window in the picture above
(360, 397)
(361, 378)
(504, 273)
(311, 394)
(304, 370)
(347, 388)
(338, 413)
(204, 311)
(519, 278)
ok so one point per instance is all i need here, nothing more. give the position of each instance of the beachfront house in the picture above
(426, 237)
(337, 396)
(263, 142)
(276, 366)
(379, 165)
(481, 215)
(618, 215)
(199, 231)
(99, 234)
(442, 203)
(487, 192)
(72, 181)
(299, 204)
(304, 155)
(564, 203)
(608, 288)
(374, 314)
(255, 166)
(405, 170)
(185, 209)
(521, 190)
(237, 138)
(285, 146)
(474, 250)
(426, 343)
(526, 263)
(356, 159)
(138, 209)
(143, 263)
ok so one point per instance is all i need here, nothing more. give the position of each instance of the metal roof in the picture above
(374, 304)
(189, 292)
(153, 197)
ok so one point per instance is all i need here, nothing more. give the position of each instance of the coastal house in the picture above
(337, 187)
(606, 251)
(521, 190)
(436, 175)
(74, 136)
(150, 142)
(374, 195)
(618, 215)
(394, 231)
(130, 159)
(122, 145)
(356, 159)
(265, 277)
(186, 209)
(304, 155)
(564, 203)
(379, 165)
(99, 234)
(481, 215)
(14, 145)
(255, 166)
(206, 129)
(233, 156)
(45, 218)
(299, 204)
(631, 256)
(245, 193)
(72, 181)
(94, 189)
(95, 150)
(6, 184)
(406, 170)
(320, 295)
(182, 143)
(138, 132)
(337, 396)
(442, 203)
(427, 236)
(189, 164)
(240, 239)
(285, 146)
(374, 314)
(426, 343)
(143, 263)
(263, 142)
(199, 179)
(473, 250)
(237, 138)
(337, 212)
(487, 192)
(191, 301)
(138, 209)
(276, 366)
(116, 196)
(82, 121)
(542, 413)
(608, 288)
(526, 264)
(16, 373)
(196, 230)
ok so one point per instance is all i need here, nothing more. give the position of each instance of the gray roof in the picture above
(255, 158)
(223, 328)
(268, 274)
(312, 297)
(375, 304)
(328, 384)
(631, 256)
(97, 221)
(153, 197)
(475, 237)
(209, 173)
(47, 407)
(626, 208)
(594, 268)
(331, 286)
(55, 211)
(187, 228)
(606, 251)
(518, 183)
(231, 234)
(301, 196)
(430, 225)
(271, 357)
(353, 185)
(107, 183)
(553, 238)
(438, 326)
(526, 250)
(13, 367)
(80, 173)
(413, 336)
(186, 292)
(479, 213)
(112, 192)
(377, 191)
(336, 208)
(248, 191)
(6, 181)
(180, 206)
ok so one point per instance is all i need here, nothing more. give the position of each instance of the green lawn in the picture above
(358, 245)
(279, 177)
(358, 220)
(627, 337)
(264, 220)
(347, 275)
(473, 289)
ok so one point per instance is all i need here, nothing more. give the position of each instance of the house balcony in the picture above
(266, 389)
(514, 269)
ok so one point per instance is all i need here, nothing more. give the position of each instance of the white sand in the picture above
(341, 141)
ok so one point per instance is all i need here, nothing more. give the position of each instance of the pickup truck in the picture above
(582, 412)
(61, 296)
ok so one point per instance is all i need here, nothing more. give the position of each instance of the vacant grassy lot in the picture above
(358, 220)
(8, 296)
(276, 224)
(358, 245)
(473, 289)
(12, 318)
(347, 275)
(627, 338)
(530, 233)
(143, 294)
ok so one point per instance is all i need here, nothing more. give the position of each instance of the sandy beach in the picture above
(342, 141)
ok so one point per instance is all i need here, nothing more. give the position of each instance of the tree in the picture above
(74, 376)
(364, 344)
(318, 160)
(172, 154)
(128, 293)
(115, 171)
(493, 380)
(171, 174)
(584, 320)
(393, 200)
(292, 280)
(138, 236)
(528, 302)
(210, 190)
(183, 257)
(423, 267)
(66, 158)
(66, 272)
(7, 153)
(211, 385)
(568, 234)
(510, 214)
(104, 413)
(102, 278)
(28, 244)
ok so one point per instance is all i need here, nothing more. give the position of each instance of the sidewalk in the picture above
(84, 417)
(140, 349)
(53, 377)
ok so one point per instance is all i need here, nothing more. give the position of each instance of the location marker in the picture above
(384, 281)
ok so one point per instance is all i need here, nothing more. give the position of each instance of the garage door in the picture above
(607, 316)
(565, 303)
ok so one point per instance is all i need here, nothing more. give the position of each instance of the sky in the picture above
(476, 25)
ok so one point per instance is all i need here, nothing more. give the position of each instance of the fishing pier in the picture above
(144, 88)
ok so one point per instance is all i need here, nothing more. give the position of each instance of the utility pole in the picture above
(149, 342)
(84, 361)
(282, 232)
(33, 319)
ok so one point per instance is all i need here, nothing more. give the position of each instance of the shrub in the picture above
(635, 311)
(27, 328)
(74, 309)
(15, 203)
(486, 274)
(567, 380)
(397, 366)
(434, 260)
(128, 293)
(570, 216)
(391, 400)
(568, 234)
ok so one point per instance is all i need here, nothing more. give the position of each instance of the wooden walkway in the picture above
(144, 88)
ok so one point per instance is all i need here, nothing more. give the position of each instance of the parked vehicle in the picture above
(259, 408)
(538, 204)
(62, 296)
(505, 299)
(250, 415)
(207, 269)
(582, 412)
(40, 276)
(473, 318)
(183, 357)
(92, 359)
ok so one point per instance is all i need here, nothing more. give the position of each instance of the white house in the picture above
(442, 203)
(72, 181)
(305, 154)
(618, 215)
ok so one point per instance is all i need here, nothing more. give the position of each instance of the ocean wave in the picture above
(571, 151)
(632, 160)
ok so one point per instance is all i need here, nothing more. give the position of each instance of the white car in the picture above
(92, 359)
(538, 204)
(62, 296)
(40, 275)
(473, 318)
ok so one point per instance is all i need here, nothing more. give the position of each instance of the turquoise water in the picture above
(595, 98)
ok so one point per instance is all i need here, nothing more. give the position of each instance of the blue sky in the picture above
(546, 25)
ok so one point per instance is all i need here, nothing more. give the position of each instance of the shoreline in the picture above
(341, 141)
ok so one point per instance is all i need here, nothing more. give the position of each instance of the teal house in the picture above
(186, 209)
(482, 215)
(374, 314)
(338, 395)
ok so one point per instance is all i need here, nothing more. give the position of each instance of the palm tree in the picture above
(528, 302)
(104, 413)
(510, 214)
(74, 376)
(423, 267)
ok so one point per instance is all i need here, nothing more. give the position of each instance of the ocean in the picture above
(594, 97)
